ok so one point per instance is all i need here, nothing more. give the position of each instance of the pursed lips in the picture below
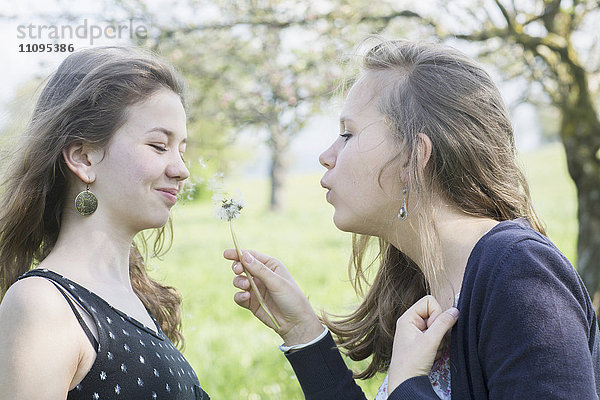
(324, 185)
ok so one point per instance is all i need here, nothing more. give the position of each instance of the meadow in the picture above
(234, 355)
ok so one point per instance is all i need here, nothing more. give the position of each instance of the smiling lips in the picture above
(169, 193)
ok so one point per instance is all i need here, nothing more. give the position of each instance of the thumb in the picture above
(259, 270)
(442, 324)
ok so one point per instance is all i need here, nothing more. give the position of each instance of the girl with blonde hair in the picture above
(425, 165)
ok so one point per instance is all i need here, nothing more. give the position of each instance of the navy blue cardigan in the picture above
(527, 330)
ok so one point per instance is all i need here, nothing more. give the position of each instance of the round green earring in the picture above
(86, 202)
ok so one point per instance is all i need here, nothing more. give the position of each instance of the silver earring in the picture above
(403, 213)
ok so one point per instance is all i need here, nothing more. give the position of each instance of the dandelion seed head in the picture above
(229, 208)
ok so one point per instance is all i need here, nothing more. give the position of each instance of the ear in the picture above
(425, 149)
(78, 158)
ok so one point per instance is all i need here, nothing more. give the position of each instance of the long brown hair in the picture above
(86, 100)
(438, 91)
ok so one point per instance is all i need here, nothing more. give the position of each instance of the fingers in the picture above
(269, 271)
(442, 324)
(417, 340)
(237, 268)
(258, 269)
(245, 298)
(435, 309)
(422, 311)
(427, 306)
(241, 282)
(231, 254)
(427, 315)
(267, 261)
(255, 267)
(242, 299)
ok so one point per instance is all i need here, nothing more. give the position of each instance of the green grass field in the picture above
(234, 355)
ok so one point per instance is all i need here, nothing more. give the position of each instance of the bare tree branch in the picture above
(506, 15)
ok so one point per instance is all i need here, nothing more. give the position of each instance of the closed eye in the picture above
(346, 135)
(159, 147)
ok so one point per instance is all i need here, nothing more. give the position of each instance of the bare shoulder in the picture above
(38, 330)
(33, 297)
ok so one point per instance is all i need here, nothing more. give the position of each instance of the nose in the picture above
(328, 157)
(177, 169)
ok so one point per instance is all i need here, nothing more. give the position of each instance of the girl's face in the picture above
(365, 194)
(142, 168)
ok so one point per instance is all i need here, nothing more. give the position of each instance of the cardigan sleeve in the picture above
(323, 375)
(535, 337)
(416, 388)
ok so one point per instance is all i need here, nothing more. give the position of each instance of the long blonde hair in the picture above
(438, 91)
(86, 100)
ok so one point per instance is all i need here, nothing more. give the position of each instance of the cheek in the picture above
(391, 183)
(133, 166)
(374, 187)
(348, 167)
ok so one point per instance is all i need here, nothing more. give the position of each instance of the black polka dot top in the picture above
(132, 361)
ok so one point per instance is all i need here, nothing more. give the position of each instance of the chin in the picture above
(154, 223)
(162, 222)
(354, 225)
(343, 224)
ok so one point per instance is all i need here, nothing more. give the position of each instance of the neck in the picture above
(458, 234)
(91, 252)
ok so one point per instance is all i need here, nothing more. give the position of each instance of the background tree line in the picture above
(267, 66)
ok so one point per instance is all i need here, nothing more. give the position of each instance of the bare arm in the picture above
(41, 342)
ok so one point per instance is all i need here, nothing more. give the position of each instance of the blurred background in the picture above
(264, 92)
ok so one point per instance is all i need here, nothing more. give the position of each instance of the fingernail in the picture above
(453, 311)
(247, 258)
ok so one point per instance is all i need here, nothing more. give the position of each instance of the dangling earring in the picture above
(403, 213)
(86, 202)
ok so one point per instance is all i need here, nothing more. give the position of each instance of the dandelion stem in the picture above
(251, 279)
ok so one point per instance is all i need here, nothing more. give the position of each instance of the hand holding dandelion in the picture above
(228, 210)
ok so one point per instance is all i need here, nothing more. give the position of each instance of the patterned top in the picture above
(132, 361)
(439, 376)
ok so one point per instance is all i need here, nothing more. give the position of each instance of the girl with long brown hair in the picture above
(425, 166)
(101, 161)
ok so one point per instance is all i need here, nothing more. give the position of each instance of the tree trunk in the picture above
(277, 176)
(588, 243)
(581, 138)
(278, 144)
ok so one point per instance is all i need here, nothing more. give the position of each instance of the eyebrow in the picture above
(165, 131)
